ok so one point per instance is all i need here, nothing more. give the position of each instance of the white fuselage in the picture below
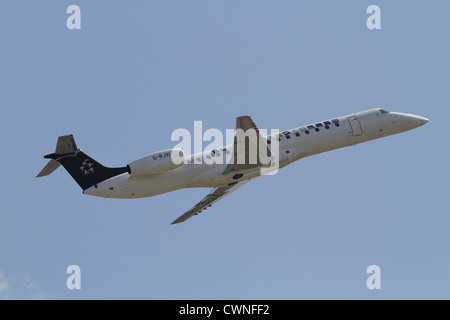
(294, 144)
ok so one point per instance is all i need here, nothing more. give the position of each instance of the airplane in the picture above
(158, 173)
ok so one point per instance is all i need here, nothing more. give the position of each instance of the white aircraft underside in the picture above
(139, 179)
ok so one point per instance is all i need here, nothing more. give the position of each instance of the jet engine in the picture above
(157, 162)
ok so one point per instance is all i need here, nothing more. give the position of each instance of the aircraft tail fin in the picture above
(83, 169)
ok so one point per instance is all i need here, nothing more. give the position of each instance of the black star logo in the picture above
(87, 167)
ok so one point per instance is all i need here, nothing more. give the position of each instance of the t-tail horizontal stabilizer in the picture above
(65, 146)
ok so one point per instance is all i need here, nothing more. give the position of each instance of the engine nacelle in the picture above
(157, 162)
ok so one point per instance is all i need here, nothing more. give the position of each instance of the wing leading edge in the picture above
(215, 195)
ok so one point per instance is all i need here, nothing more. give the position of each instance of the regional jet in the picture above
(158, 173)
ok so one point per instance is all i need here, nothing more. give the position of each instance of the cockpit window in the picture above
(383, 111)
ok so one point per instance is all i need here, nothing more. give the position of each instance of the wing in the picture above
(247, 137)
(215, 195)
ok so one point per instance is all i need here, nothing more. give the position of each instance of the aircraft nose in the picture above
(410, 121)
(417, 120)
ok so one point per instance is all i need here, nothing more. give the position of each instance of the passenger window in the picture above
(336, 124)
(297, 134)
(307, 131)
(317, 129)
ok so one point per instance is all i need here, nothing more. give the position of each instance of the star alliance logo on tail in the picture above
(87, 167)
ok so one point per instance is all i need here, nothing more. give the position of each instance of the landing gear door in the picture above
(356, 126)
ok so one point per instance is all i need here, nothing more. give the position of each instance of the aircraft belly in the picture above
(210, 178)
(126, 187)
(216, 178)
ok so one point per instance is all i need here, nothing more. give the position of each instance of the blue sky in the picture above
(138, 70)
